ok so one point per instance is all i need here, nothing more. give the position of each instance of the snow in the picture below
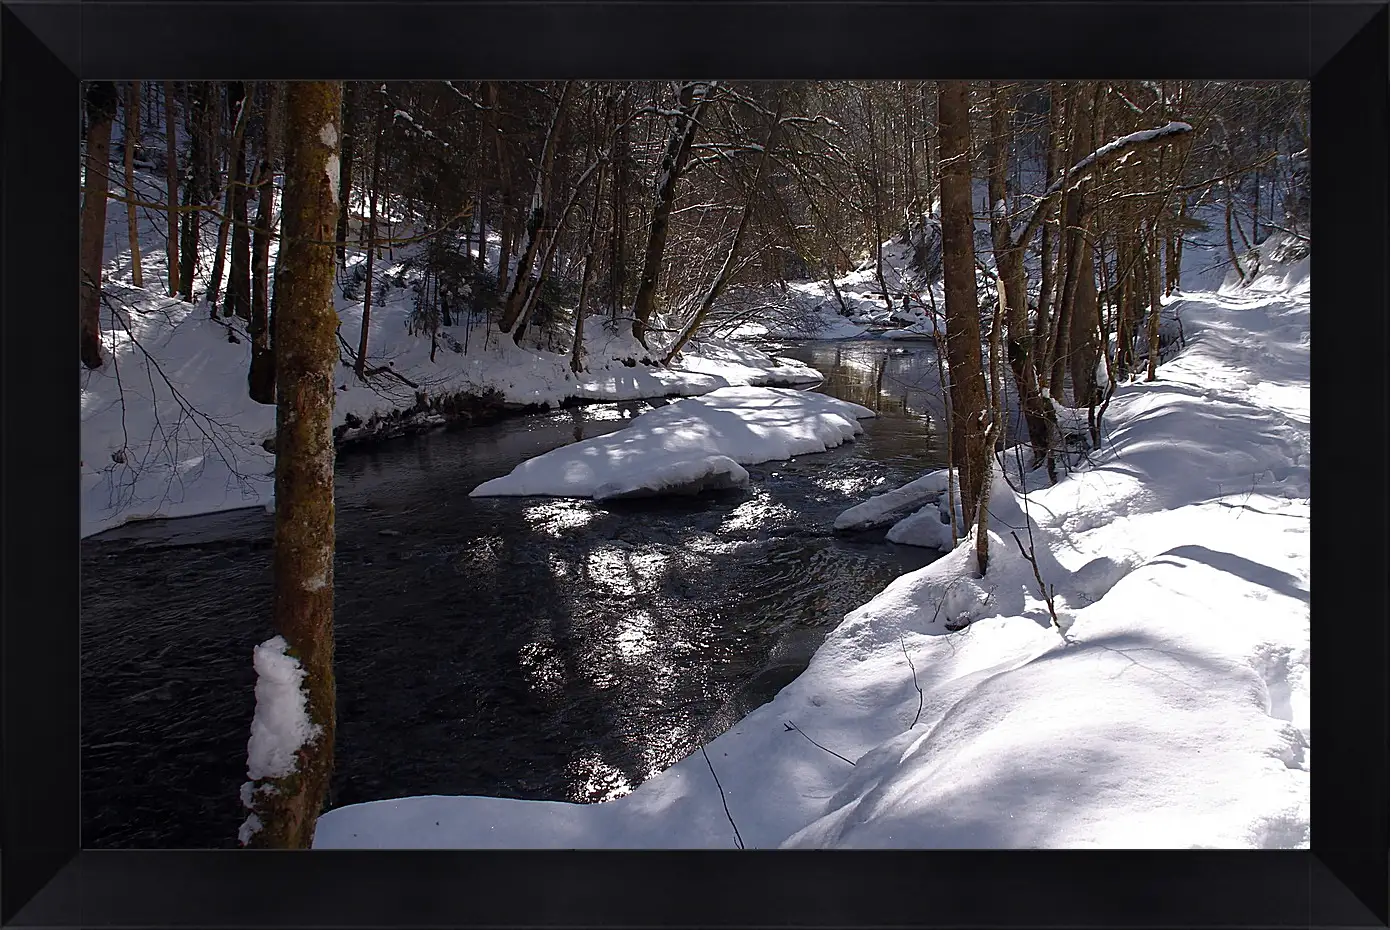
(329, 136)
(281, 724)
(1168, 706)
(882, 508)
(689, 445)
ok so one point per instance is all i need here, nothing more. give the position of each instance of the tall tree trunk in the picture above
(678, 151)
(261, 375)
(618, 255)
(132, 134)
(587, 276)
(970, 413)
(360, 366)
(239, 270)
(235, 99)
(1152, 278)
(1083, 328)
(171, 156)
(1056, 99)
(345, 173)
(876, 226)
(286, 804)
(1080, 110)
(102, 101)
(1014, 288)
(504, 220)
(196, 191)
(548, 257)
(1175, 266)
(536, 217)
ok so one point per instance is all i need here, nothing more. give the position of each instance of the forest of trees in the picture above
(671, 207)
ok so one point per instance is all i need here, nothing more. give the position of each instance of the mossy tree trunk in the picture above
(306, 355)
(101, 113)
(970, 412)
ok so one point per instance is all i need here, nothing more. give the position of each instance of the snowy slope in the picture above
(1171, 708)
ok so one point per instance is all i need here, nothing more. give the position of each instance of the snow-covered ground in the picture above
(1168, 706)
(691, 445)
(169, 430)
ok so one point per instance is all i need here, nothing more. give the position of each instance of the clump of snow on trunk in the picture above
(329, 136)
(280, 727)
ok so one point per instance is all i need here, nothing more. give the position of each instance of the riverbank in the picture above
(168, 428)
(1168, 707)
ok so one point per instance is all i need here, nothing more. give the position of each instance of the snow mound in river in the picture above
(689, 445)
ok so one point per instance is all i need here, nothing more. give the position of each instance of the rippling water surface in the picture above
(521, 647)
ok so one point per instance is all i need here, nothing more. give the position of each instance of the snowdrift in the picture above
(688, 446)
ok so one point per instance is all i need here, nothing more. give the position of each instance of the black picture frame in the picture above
(46, 48)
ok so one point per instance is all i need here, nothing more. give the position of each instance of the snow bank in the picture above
(168, 428)
(1169, 706)
(688, 445)
(884, 508)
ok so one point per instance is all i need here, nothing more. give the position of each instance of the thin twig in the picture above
(915, 681)
(789, 725)
(737, 838)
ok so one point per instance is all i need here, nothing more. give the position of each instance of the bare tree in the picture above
(970, 411)
(536, 217)
(691, 102)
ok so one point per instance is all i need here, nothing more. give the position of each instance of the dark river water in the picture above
(519, 647)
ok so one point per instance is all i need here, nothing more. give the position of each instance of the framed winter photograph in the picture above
(676, 432)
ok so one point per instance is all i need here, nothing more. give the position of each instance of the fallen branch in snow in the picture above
(372, 372)
(789, 726)
(915, 680)
(1046, 590)
(737, 838)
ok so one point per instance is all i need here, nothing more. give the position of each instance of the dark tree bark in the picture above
(360, 367)
(197, 191)
(132, 134)
(587, 276)
(721, 281)
(235, 101)
(239, 270)
(970, 412)
(102, 101)
(261, 375)
(171, 155)
(1009, 261)
(345, 173)
(678, 152)
(303, 553)
(536, 218)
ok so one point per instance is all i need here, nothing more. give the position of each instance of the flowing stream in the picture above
(520, 647)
